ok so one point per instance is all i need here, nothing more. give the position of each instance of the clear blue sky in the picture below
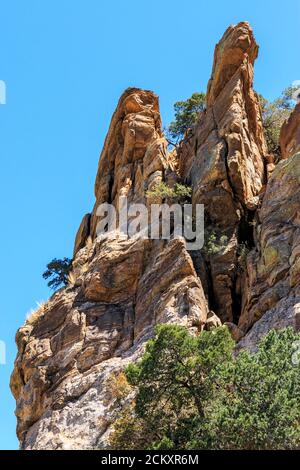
(65, 63)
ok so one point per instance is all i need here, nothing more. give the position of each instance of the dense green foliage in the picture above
(193, 392)
(58, 271)
(214, 244)
(273, 116)
(178, 193)
(186, 114)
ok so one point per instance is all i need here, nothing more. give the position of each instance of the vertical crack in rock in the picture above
(272, 295)
(227, 170)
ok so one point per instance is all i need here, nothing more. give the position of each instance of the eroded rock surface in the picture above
(134, 157)
(70, 352)
(290, 134)
(223, 159)
(271, 297)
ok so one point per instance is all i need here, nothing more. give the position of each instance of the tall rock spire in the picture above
(223, 159)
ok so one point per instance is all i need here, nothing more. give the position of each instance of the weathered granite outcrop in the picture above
(272, 288)
(86, 334)
(134, 157)
(290, 134)
(82, 234)
(70, 352)
(73, 348)
(223, 158)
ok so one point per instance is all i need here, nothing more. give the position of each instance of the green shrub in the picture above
(214, 244)
(178, 193)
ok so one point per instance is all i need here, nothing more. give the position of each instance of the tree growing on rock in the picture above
(180, 193)
(58, 271)
(274, 113)
(186, 115)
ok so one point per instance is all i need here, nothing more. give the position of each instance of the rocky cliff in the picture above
(71, 350)
(271, 297)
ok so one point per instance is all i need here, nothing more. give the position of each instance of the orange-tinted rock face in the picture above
(73, 347)
(290, 134)
(82, 234)
(223, 157)
(232, 123)
(134, 157)
(272, 293)
(71, 350)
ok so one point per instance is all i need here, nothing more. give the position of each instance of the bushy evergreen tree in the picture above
(58, 271)
(186, 115)
(193, 392)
